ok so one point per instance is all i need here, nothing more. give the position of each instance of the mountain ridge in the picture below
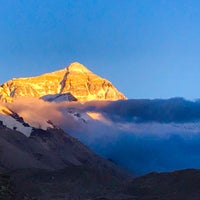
(75, 79)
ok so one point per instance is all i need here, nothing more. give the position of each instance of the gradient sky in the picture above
(146, 48)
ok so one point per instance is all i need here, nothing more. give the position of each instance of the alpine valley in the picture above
(71, 135)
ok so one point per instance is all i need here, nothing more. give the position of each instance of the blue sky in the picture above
(146, 48)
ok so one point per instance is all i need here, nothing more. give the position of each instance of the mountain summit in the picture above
(75, 79)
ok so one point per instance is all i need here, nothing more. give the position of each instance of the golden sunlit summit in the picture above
(75, 79)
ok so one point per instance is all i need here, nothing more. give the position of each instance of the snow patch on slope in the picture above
(13, 124)
(75, 114)
(66, 111)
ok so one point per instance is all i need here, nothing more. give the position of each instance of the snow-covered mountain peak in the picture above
(77, 67)
(75, 79)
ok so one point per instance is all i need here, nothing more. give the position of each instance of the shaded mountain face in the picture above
(50, 164)
(45, 164)
(75, 80)
(50, 149)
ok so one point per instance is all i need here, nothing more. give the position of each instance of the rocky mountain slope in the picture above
(76, 80)
(50, 164)
(49, 148)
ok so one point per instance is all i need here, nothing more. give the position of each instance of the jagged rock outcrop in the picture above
(76, 79)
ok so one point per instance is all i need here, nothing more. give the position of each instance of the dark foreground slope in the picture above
(51, 165)
(6, 189)
(79, 183)
(177, 185)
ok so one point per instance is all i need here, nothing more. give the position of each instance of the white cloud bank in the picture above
(124, 132)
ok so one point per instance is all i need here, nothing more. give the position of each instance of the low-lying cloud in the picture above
(144, 110)
(139, 135)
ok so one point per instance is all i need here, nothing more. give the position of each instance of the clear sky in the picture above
(146, 48)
